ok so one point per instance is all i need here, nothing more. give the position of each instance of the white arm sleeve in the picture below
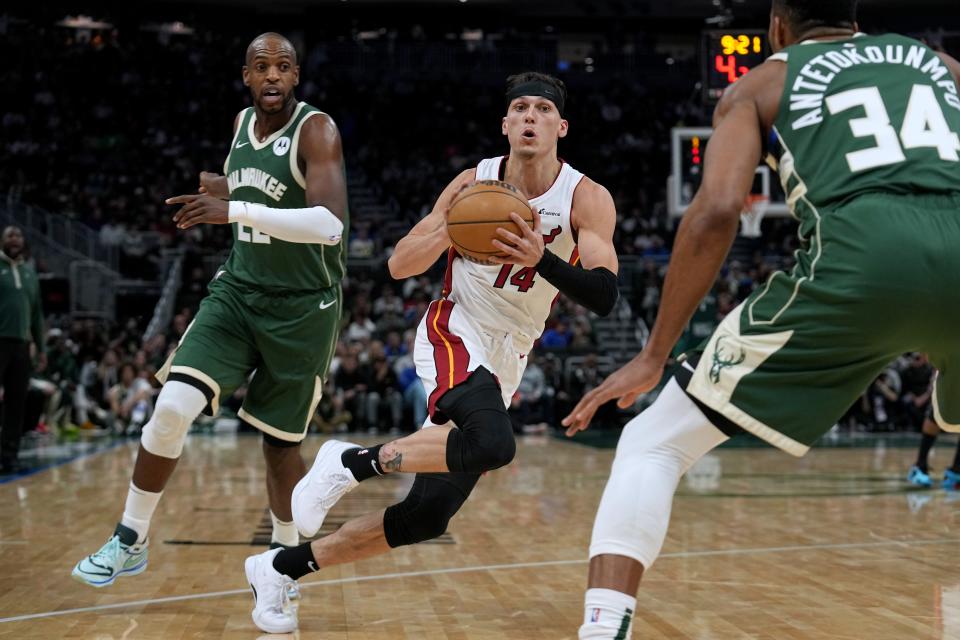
(315, 225)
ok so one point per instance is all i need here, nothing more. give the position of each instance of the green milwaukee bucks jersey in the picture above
(268, 173)
(868, 114)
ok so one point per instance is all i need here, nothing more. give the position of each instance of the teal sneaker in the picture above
(951, 480)
(919, 478)
(114, 559)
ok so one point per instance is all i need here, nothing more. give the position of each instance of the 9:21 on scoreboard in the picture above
(727, 56)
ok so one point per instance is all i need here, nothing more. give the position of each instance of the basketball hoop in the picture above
(754, 208)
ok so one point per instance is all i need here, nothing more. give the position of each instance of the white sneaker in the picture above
(271, 610)
(114, 559)
(326, 482)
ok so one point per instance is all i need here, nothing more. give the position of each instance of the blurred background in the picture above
(109, 109)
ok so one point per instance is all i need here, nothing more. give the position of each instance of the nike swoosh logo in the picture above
(327, 305)
(313, 566)
(373, 463)
(242, 144)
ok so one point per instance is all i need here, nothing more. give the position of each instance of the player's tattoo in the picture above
(390, 459)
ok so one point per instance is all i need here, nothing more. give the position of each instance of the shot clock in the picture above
(728, 56)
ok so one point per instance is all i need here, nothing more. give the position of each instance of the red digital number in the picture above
(727, 65)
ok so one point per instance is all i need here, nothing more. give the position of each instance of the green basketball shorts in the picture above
(281, 343)
(880, 277)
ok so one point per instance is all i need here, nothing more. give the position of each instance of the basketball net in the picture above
(754, 208)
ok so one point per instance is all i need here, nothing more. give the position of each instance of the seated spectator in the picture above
(351, 382)
(383, 393)
(131, 400)
(556, 337)
(528, 405)
(414, 395)
(361, 327)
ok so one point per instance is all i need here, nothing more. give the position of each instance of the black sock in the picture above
(127, 535)
(363, 463)
(295, 562)
(956, 460)
(926, 443)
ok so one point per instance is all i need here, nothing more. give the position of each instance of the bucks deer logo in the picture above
(723, 360)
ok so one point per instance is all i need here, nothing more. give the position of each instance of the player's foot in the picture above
(918, 477)
(326, 482)
(271, 609)
(120, 556)
(293, 587)
(951, 480)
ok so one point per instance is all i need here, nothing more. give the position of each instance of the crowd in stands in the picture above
(108, 152)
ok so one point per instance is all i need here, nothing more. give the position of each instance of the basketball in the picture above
(479, 210)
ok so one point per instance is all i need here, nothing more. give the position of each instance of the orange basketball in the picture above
(479, 210)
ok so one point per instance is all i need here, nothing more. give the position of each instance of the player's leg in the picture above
(919, 474)
(285, 468)
(655, 450)
(15, 378)
(213, 358)
(423, 515)
(452, 359)
(810, 334)
(296, 339)
(946, 412)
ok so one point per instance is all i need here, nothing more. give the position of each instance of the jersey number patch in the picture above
(924, 126)
(523, 279)
(249, 234)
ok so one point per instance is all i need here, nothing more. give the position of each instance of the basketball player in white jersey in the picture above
(471, 348)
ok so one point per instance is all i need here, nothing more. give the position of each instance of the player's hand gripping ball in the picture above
(478, 211)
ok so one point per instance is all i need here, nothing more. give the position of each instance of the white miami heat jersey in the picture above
(509, 297)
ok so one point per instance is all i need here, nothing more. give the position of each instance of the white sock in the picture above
(139, 510)
(608, 615)
(284, 533)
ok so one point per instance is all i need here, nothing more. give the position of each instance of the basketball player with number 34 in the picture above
(472, 343)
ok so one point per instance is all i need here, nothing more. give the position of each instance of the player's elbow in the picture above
(396, 267)
(718, 215)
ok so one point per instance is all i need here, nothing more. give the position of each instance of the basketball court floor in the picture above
(834, 546)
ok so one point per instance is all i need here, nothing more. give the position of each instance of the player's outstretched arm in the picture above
(321, 151)
(703, 240)
(419, 249)
(326, 193)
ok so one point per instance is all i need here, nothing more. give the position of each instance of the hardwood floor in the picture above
(832, 546)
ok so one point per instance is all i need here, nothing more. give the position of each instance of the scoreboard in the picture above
(727, 56)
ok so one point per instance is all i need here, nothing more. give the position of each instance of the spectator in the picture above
(556, 337)
(414, 395)
(21, 321)
(352, 381)
(131, 400)
(916, 378)
(361, 328)
(528, 404)
(383, 392)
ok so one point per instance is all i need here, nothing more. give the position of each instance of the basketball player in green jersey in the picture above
(273, 310)
(864, 132)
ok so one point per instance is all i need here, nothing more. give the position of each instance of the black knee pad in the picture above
(423, 515)
(484, 438)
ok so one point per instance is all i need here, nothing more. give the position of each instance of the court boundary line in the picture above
(490, 567)
(85, 454)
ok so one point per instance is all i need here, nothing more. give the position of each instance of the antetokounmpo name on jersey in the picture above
(258, 179)
(810, 87)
